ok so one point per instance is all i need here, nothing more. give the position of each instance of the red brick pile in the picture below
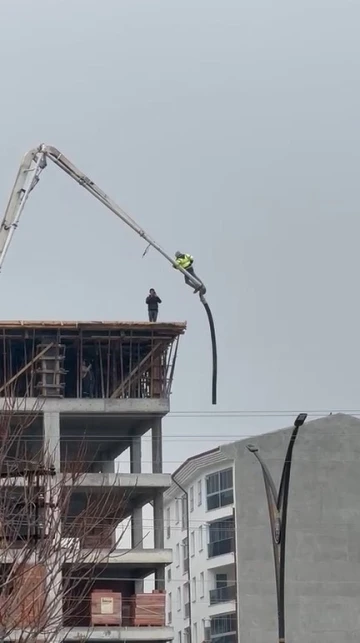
(105, 607)
(25, 606)
(148, 609)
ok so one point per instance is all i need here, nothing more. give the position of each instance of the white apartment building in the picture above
(201, 581)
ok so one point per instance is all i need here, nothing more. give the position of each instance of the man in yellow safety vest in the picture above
(186, 262)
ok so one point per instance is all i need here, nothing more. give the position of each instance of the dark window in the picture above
(185, 548)
(223, 624)
(183, 512)
(219, 489)
(221, 537)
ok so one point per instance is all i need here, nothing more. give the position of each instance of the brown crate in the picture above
(105, 607)
(148, 609)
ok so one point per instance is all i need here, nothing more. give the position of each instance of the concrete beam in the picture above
(119, 557)
(146, 557)
(102, 634)
(95, 481)
(119, 634)
(146, 480)
(75, 406)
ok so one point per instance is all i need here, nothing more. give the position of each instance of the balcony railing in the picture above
(225, 638)
(220, 547)
(222, 594)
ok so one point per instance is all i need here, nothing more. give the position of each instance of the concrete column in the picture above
(135, 454)
(157, 467)
(51, 427)
(159, 521)
(108, 466)
(136, 517)
(156, 438)
(54, 562)
(159, 537)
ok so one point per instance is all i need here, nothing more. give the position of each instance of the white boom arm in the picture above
(27, 178)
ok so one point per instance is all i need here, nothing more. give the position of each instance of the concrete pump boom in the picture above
(33, 163)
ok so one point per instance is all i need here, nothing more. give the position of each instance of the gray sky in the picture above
(227, 129)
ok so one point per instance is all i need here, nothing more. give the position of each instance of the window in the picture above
(177, 555)
(199, 493)
(204, 630)
(169, 574)
(191, 498)
(195, 637)
(186, 600)
(178, 599)
(219, 489)
(202, 585)
(207, 633)
(192, 546)
(221, 580)
(179, 637)
(183, 512)
(223, 624)
(193, 590)
(169, 608)
(221, 537)
(168, 527)
(185, 548)
(187, 636)
(201, 538)
(177, 513)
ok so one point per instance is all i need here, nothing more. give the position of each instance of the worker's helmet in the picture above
(178, 254)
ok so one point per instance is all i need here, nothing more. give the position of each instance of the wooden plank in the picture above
(136, 369)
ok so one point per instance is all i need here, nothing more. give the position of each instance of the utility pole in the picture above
(278, 505)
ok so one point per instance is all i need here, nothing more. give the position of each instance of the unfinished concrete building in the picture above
(83, 393)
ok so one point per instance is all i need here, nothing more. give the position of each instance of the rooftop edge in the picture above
(74, 325)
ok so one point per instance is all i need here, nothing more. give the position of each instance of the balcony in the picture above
(222, 594)
(219, 547)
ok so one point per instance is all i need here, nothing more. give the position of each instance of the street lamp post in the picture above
(278, 505)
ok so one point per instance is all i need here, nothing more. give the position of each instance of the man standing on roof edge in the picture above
(186, 261)
(153, 301)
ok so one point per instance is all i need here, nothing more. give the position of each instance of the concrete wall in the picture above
(323, 544)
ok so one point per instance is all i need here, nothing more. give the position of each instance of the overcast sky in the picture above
(228, 129)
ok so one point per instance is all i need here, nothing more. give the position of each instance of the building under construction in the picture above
(75, 396)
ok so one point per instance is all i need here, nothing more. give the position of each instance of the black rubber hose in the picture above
(214, 351)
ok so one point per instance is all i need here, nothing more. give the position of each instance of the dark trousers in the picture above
(191, 272)
(153, 315)
(88, 385)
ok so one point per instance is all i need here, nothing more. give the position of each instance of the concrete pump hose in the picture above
(214, 348)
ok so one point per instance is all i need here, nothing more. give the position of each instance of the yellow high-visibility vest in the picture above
(185, 261)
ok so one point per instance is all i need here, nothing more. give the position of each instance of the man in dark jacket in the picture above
(153, 302)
